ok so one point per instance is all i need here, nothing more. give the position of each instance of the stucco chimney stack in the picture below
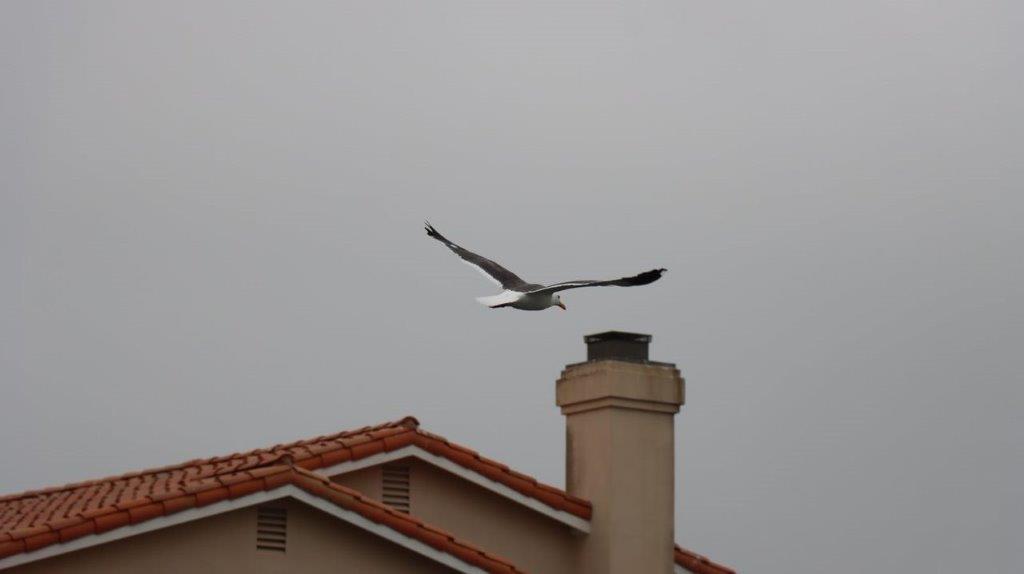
(619, 408)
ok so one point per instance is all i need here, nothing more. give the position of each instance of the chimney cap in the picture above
(617, 345)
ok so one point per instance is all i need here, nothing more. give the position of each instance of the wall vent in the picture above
(396, 487)
(271, 528)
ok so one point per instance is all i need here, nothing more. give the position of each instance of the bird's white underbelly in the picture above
(518, 300)
(530, 302)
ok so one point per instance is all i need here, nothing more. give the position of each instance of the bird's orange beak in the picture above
(560, 304)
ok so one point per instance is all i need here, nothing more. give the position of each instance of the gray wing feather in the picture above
(500, 275)
(642, 279)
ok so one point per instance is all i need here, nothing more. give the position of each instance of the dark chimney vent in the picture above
(617, 345)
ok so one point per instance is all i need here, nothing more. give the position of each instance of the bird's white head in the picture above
(556, 301)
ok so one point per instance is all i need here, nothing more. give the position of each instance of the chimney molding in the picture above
(656, 387)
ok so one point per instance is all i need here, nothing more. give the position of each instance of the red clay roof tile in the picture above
(25, 532)
(179, 503)
(244, 488)
(143, 513)
(699, 564)
(39, 540)
(211, 495)
(77, 531)
(59, 523)
(11, 548)
(105, 522)
(368, 448)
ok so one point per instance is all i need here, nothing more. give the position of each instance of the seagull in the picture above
(518, 294)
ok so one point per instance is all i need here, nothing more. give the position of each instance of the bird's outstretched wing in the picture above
(493, 271)
(641, 279)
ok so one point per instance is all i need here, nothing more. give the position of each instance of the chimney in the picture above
(619, 408)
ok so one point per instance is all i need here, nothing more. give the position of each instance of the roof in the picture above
(38, 518)
(239, 484)
(40, 506)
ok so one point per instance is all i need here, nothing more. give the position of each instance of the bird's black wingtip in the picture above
(648, 276)
(430, 228)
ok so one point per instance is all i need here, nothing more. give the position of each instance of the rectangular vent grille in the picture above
(396, 487)
(271, 528)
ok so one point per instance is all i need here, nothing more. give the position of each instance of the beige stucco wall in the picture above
(317, 543)
(368, 481)
(534, 542)
(624, 465)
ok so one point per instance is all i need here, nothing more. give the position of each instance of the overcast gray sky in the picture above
(211, 222)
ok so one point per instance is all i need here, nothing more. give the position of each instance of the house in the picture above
(391, 498)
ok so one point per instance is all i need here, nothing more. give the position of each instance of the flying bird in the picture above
(519, 294)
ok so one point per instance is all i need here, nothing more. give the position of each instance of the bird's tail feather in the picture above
(499, 300)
